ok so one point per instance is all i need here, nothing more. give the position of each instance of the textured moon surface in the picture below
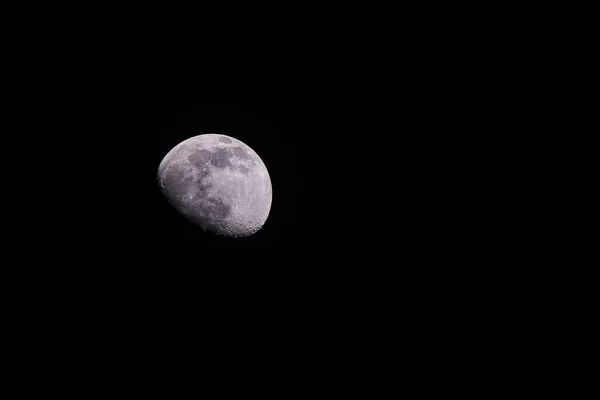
(218, 183)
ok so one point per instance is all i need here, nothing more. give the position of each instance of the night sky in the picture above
(386, 142)
(308, 224)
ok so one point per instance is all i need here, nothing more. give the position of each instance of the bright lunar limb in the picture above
(219, 183)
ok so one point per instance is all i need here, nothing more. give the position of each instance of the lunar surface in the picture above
(219, 183)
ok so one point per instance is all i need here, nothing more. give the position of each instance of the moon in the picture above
(219, 183)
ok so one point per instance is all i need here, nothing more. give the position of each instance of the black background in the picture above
(403, 243)
(364, 140)
(357, 157)
(117, 264)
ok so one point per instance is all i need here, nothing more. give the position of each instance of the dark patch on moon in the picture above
(202, 174)
(220, 158)
(202, 190)
(224, 139)
(243, 169)
(199, 158)
(217, 208)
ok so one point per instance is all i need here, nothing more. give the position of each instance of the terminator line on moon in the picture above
(218, 183)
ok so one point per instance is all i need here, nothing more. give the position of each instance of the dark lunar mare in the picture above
(220, 158)
(199, 158)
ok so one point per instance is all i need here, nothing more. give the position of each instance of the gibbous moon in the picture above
(219, 183)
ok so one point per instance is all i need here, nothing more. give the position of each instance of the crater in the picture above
(224, 139)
